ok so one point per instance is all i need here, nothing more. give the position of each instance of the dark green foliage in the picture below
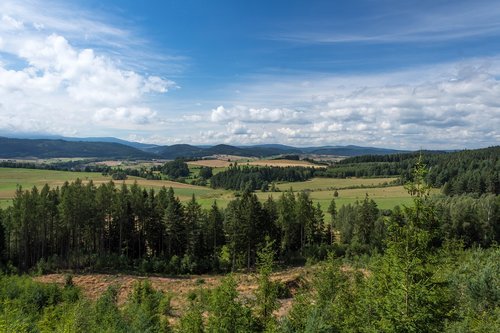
(188, 151)
(330, 305)
(206, 172)
(227, 314)
(468, 171)
(119, 175)
(192, 320)
(45, 148)
(360, 226)
(405, 271)
(143, 312)
(267, 291)
(253, 178)
(471, 219)
(475, 283)
(175, 169)
(107, 314)
(27, 306)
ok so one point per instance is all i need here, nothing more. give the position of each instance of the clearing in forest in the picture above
(93, 285)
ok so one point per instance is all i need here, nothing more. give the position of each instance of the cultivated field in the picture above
(211, 163)
(285, 163)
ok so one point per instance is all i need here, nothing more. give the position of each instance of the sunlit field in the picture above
(321, 189)
(11, 178)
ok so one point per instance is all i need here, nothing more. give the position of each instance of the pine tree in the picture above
(266, 295)
(227, 314)
(332, 210)
(412, 299)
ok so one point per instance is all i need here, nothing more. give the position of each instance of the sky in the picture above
(395, 74)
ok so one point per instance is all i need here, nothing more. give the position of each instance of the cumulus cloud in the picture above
(257, 115)
(9, 23)
(238, 128)
(53, 86)
(444, 106)
(134, 115)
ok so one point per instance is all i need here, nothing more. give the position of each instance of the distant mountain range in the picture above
(45, 148)
(137, 145)
(113, 148)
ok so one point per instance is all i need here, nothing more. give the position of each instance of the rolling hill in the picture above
(114, 148)
(44, 148)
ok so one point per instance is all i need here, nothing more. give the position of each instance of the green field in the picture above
(322, 184)
(321, 189)
(385, 197)
(11, 178)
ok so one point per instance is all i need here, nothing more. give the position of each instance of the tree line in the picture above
(253, 178)
(82, 225)
(418, 284)
(462, 172)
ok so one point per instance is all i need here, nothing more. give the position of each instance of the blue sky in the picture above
(399, 74)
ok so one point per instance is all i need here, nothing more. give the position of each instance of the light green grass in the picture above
(319, 184)
(5, 203)
(385, 197)
(321, 188)
(11, 178)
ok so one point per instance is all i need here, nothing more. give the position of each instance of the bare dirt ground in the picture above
(93, 285)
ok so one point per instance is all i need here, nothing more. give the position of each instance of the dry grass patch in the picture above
(285, 163)
(94, 285)
(211, 163)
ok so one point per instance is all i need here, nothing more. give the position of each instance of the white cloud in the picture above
(292, 133)
(256, 115)
(192, 117)
(133, 115)
(238, 128)
(51, 86)
(9, 23)
(443, 106)
(457, 20)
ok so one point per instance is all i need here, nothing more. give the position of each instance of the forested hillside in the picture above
(468, 171)
(19, 148)
(414, 268)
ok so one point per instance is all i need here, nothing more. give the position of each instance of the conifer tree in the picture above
(412, 298)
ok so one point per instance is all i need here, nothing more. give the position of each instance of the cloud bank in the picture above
(445, 106)
(49, 85)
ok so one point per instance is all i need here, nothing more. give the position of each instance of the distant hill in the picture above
(351, 151)
(109, 147)
(280, 149)
(174, 151)
(180, 150)
(137, 145)
(183, 150)
(45, 148)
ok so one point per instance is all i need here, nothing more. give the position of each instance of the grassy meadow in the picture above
(321, 189)
(11, 178)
